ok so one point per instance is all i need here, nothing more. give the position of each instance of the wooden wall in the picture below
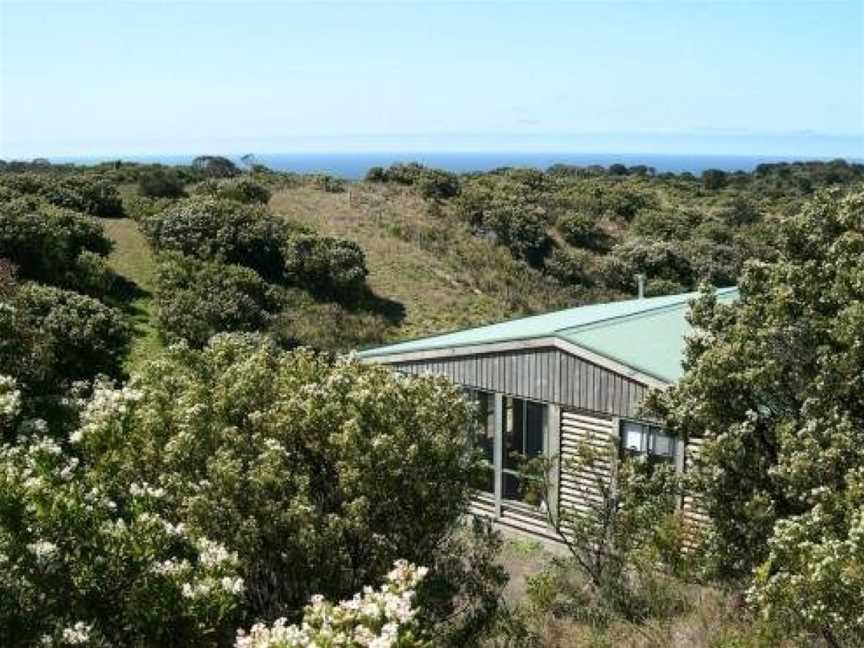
(545, 374)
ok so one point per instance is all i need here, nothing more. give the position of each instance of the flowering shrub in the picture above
(317, 472)
(775, 386)
(382, 618)
(83, 564)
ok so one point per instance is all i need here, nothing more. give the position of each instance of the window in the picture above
(525, 438)
(482, 439)
(645, 439)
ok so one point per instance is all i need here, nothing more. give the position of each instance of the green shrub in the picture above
(570, 267)
(582, 231)
(222, 230)
(50, 338)
(773, 384)
(656, 259)
(214, 166)
(85, 564)
(317, 473)
(240, 189)
(438, 185)
(160, 182)
(325, 265)
(196, 299)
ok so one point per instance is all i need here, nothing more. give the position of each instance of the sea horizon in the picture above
(353, 165)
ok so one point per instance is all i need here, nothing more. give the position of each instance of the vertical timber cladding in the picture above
(578, 489)
(544, 374)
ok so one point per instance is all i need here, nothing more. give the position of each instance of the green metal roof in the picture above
(645, 334)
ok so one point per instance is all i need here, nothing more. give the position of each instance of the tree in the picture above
(773, 384)
(215, 166)
(713, 179)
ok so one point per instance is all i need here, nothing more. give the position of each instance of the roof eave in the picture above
(553, 341)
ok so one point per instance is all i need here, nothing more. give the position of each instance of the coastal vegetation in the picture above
(188, 452)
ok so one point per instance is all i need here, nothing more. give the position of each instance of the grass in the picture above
(133, 260)
(443, 276)
(712, 618)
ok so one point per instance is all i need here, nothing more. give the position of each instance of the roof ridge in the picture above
(686, 298)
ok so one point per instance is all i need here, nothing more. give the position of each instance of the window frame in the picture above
(648, 441)
(508, 404)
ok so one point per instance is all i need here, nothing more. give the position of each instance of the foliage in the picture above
(382, 618)
(215, 166)
(714, 179)
(160, 182)
(220, 230)
(582, 231)
(196, 299)
(654, 258)
(570, 267)
(774, 385)
(46, 243)
(241, 189)
(87, 194)
(50, 338)
(317, 473)
(623, 529)
(324, 264)
(87, 564)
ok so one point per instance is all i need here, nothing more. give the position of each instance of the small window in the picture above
(651, 440)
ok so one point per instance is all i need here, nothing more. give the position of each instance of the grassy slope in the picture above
(443, 276)
(132, 259)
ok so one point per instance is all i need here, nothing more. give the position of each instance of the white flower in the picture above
(42, 549)
(77, 635)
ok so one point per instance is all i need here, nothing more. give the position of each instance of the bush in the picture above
(197, 299)
(522, 231)
(581, 231)
(325, 265)
(240, 189)
(159, 182)
(50, 338)
(570, 267)
(773, 384)
(656, 259)
(215, 166)
(438, 185)
(714, 179)
(89, 195)
(376, 174)
(317, 473)
(221, 230)
(84, 564)
(45, 243)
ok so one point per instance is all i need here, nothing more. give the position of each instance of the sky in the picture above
(723, 77)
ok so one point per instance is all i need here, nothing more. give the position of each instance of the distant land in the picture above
(353, 166)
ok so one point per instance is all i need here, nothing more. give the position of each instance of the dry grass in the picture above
(713, 618)
(443, 276)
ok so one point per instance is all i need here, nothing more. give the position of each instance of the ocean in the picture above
(353, 166)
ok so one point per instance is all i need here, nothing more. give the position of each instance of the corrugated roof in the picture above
(645, 334)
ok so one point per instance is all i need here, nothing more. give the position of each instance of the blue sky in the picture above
(662, 77)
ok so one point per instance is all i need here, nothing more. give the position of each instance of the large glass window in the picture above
(482, 439)
(525, 439)
(650, 440)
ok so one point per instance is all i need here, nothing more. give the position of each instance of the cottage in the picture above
(550, 382)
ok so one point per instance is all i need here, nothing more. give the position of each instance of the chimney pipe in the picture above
(640, 282)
